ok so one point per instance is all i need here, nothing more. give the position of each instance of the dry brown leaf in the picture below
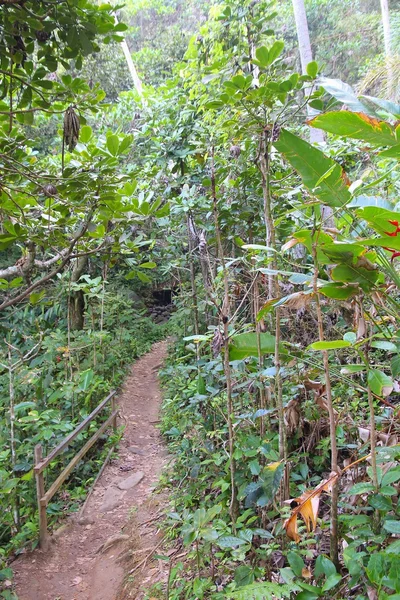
(309, 384)
(306, 573)
(323, 403)
(291, 528)
(289, 244)
(298, 300)
(308, 508)
(361, 328)
(292, 415)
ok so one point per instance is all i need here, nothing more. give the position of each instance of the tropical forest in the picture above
(199, 299)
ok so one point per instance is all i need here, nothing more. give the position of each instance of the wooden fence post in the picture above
(43, 536)
(113, 409)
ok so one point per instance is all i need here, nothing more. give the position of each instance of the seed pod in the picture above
(41, 35)
(71, 128)
(217, 343)
(50, 190)
(235, 151)
(276, 130)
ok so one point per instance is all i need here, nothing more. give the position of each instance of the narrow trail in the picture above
(122, 511)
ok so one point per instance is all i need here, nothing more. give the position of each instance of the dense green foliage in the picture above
(282, 386)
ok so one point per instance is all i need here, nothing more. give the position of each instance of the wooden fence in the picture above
(43, 497)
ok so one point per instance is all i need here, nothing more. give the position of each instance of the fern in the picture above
(263, 591)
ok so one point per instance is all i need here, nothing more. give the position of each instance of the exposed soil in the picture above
(90, 557)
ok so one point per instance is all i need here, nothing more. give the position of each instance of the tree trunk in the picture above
(131, 67)
(388, 49)
(303, 36)
(77, 298)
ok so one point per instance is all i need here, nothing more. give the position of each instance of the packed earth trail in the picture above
(90, 554)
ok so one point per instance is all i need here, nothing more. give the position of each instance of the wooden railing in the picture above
(43, 497)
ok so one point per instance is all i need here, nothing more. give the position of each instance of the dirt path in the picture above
(121, 511)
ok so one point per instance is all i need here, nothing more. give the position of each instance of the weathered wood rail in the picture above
(43, 497)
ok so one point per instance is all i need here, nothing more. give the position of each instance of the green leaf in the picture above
(262, 55)
(113, 144)
(307, 595)
(296, 562)
(6, 573)
(353, 369)
(382, 242)
(395, 365)
(391, 476)
(343, 93)
(337, 291)
(324, 566)
(85, 134)
(244, 345)
(36, 297)
(275, 51)
(148, 265)
(312, 164)
(390, 107)
(350, 336)
(143, 277)
(361, 488)
(312, 69)
(330, 345)
(358, 126)
(86, 378)
(384, 345)
(380, 384)
(392, 526)
(331, 582)
(255, 467)
(262, 591)
(230, 541)
(380, 502)
(244, 575)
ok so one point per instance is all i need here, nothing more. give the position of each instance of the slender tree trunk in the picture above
(388, 47)
(303, 36)
(131, 66)
(12, 437)
(77, 298)
(234, 504)
(193, 275)
(332, 419)
(273, 285)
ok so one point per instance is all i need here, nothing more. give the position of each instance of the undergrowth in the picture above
(254, 559)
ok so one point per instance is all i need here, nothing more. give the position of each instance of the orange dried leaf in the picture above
(291, 528)
(308, 509)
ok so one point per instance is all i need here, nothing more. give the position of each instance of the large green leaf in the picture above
(379, 218)
(245, 345)
(322, 176)
(357, 126)
(343, 93)
(383, 242)
(389, 107)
